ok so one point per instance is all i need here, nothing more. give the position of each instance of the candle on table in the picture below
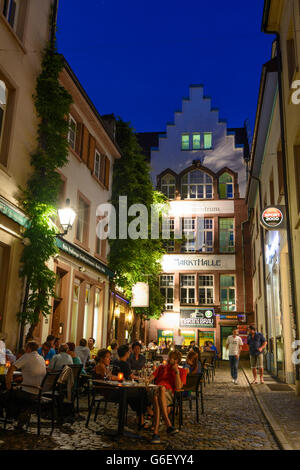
(120, 376)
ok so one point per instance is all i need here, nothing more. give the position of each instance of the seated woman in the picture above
(75, 358)
(193, 363)
(101, 370)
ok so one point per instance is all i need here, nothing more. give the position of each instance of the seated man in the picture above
(33, 370)
(46, 351)
(122, 364)
(60, 360)
(83, 352)
(92, 348)
(136, 360)
(170, 377)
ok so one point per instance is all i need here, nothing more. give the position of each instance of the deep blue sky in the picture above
(137, 58)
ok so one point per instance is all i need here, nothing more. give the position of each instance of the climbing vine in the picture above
(39, 198)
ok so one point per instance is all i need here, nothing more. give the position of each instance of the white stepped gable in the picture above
(197, 116)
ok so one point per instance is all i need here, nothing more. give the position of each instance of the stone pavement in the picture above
(232, 420)
(282, 409)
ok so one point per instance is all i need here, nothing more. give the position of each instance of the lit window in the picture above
(226, 186)
(185, 142)
(226, 235)
(168, 185)
(227, 293)
(207, 140)
(206, 290)
(167, 290)
(187, 289)
(196, 142)
(197, 185)
(72, 132)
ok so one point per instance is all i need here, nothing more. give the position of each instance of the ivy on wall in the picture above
(39, 198)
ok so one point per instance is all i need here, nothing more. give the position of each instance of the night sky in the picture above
(137, 58)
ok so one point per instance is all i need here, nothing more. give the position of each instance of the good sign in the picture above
(272, 218)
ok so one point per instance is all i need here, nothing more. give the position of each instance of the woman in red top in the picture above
(169, 377)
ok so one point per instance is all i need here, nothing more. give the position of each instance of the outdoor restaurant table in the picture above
(126, 389)
(16, 375)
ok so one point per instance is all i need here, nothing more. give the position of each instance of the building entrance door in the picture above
(57, 316)
(225, 332)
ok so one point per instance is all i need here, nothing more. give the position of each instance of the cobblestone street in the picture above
(232, 421)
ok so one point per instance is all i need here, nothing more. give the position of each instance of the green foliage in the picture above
(135, 260)
(39, 198)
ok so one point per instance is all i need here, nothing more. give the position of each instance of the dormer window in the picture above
(197, 185)
(226, 186)
(168, 185)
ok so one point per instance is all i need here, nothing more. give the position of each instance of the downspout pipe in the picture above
(53, 24)
(286, 190)
(244, 267)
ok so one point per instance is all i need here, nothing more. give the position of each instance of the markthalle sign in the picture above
(197, 318)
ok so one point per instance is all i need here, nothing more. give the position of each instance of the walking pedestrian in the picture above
(234, 344)
(257, 343)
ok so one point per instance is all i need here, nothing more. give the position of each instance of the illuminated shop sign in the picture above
(197, 318)
(273, 217)
(198, 262)
(140, 295)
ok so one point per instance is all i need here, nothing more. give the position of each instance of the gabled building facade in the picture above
(206, 274)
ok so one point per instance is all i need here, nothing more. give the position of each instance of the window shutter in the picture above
(92, 148)
(79, 127)
(85, 144)
(107, 170)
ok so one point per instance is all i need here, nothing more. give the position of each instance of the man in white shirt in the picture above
(83, 351)
(234, 344)
(33, 369)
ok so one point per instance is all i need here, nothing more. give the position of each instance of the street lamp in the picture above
(66, 217)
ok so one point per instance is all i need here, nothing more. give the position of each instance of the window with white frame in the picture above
(227, 293)
(168, 185)
(187, 289)
(189, 235)
(206, 289)
(197, 185)
(168, 229)
(205, 238)
(10, 11)
(72, 132)
(166, 283)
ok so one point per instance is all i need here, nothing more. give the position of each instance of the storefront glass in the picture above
(96, 314)
(205, 336)
(164, 336)
(75, 308)
(86, 310)
(188, 337)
